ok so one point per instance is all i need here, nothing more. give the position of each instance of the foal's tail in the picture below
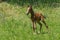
(43, 16)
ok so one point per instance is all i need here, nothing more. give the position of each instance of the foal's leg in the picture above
(45, 24)
(42, 19)
(40, 26)
(34, 26)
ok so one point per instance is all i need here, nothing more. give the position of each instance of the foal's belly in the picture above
(36, 19)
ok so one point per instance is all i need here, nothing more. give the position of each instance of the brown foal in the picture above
(36, 18)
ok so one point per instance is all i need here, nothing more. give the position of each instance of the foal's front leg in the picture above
(34, 26)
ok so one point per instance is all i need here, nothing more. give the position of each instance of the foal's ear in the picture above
(29, 5)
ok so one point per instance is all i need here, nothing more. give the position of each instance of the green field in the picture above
(16, 25)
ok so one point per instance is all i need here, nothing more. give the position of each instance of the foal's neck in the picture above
(32, 13)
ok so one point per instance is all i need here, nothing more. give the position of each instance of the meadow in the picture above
(16, 25)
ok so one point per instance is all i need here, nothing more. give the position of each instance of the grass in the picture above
(16, 25)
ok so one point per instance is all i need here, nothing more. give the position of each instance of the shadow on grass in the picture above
(42, 33)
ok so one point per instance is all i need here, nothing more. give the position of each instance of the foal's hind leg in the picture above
(40, 26)
(45, 24)
(42, 19)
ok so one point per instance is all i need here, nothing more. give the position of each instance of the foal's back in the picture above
(38, 16)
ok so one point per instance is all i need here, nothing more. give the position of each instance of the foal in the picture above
(36, 18)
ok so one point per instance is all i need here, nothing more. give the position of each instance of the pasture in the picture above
(16, 25)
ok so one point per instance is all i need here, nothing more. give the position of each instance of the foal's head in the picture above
(29, 10)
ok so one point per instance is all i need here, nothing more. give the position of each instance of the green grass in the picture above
(16, 25)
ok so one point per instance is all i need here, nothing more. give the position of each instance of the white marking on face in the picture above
(28, 9)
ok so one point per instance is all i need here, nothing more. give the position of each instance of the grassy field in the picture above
(16, 25)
